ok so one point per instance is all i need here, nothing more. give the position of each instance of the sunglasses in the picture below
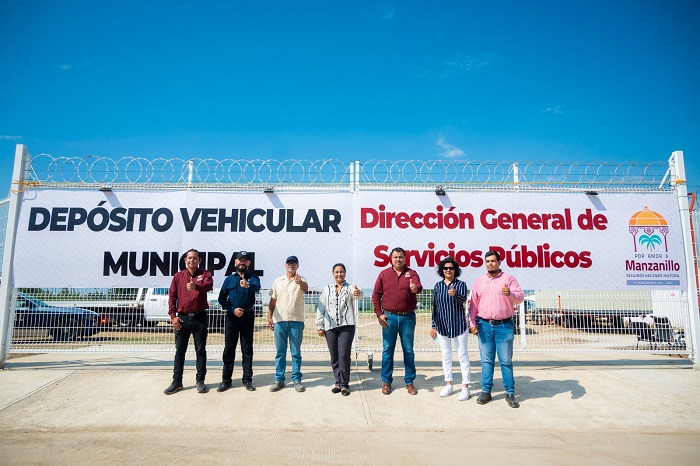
(448, 268)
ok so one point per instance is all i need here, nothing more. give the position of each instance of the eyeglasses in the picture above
(448, 268)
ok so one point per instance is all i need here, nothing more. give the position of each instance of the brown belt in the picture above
(398, 313)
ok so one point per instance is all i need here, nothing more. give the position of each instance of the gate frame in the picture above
(7, 317)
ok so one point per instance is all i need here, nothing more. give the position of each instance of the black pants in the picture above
(339, 341)
(197, 327)
(235, 327)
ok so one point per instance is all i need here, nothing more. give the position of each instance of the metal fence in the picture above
(113, 320)
(84, 320)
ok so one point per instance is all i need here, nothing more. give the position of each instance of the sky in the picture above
(576, 80)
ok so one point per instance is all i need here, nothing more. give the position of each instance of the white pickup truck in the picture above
(155, 306)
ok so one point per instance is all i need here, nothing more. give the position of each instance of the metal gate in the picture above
(111, 319)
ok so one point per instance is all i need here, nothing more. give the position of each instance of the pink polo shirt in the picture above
(487, 300)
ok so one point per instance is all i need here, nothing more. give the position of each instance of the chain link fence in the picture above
(120, 319)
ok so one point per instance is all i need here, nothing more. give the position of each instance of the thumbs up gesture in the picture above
(451, 290)
(505, 291)
(244, 283)
(297, 279)
(412, 286)
(356, 291)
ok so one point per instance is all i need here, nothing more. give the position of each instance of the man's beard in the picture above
(242, 268)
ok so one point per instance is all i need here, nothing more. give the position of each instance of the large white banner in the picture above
(92, 239)
(546, 240)
(87, 239)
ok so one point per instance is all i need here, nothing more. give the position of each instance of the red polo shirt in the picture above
(392, 291)
(180, 299)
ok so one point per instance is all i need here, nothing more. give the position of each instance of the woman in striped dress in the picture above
(336, 316)
(450, 324)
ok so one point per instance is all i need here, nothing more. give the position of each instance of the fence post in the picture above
(22, 158)
(678, 178)
(351, 170)
(521, 325)
(190, 173)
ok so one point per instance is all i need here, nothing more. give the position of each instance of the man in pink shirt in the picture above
(493, 298)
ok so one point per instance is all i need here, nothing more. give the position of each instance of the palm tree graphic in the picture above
(650, 241)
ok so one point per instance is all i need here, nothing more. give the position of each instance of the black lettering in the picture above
(168, 219)
(311, 221)
(117, 218)
(34, 213)
(251, 224)
(133, 268)
(76, 216)
(217, 261)
(104, 219)
(208, 220)
(331, 220)
(271, 220)
(223, 220)
(189, 222)
(290, 223)
(58, 217)
(119, 266)
(162, 265)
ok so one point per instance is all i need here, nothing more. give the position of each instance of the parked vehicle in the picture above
(155, 308)
(63, 323)
(124, 309)
(590, 310)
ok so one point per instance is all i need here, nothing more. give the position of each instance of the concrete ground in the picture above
(575, 409)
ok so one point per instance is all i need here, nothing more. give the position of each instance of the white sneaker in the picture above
(447, 391)
(464, 395)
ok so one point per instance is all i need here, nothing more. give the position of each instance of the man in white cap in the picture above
(286, 320)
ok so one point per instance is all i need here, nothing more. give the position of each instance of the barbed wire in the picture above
(208, 173)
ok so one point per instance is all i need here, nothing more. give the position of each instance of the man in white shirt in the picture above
(286, 320)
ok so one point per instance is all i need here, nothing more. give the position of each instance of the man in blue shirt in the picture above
(237, 297)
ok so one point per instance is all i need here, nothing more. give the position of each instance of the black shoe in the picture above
(249, 386)
(511, 401)
(335, 390)
(345, 392)
(173, 388)
(484, 398)
(202, 388)
(223, 386)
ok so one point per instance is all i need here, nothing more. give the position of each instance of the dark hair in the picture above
(192, 250)
(493, 253)
(398, 250)
(449, 260)
(339, 265)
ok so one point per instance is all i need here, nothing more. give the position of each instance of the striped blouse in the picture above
(336, 309)
(449, 318)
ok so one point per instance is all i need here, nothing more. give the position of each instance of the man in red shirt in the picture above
(187, 307)
(395, 302)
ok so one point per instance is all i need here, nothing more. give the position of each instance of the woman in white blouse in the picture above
(336, 317)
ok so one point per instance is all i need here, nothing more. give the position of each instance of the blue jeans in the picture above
(404, 326)
(496, 339)
(292, 331)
